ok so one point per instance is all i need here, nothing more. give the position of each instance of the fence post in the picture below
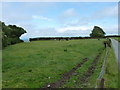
(100, 83)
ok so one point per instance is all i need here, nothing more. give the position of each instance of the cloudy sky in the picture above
(42, 19)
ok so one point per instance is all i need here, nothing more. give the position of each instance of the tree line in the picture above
(10, 34)
(97, 32)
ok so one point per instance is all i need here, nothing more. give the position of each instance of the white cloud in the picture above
(73, 28)
(111, 30)
(48, 32)
(69, 13)
(106, 12)
(41, 18)
(78, 22)
(41, 32)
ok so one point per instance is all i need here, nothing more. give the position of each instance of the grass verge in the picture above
(117, 38)
(111, 72)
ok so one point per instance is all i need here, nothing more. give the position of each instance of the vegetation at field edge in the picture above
(111, 73)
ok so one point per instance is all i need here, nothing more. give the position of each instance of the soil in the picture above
(66, 76)
(90, 70)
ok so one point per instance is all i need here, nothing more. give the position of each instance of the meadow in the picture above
(36, 64)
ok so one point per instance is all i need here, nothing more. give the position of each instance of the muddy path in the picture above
(66, 76)
(90, 70)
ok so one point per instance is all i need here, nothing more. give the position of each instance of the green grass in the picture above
(0, 69)
(111, 73)
(117, 38)
(80, 72)
(29, 65)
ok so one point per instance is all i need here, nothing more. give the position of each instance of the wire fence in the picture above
(100, 79)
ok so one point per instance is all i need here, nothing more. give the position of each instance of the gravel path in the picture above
(116, 47)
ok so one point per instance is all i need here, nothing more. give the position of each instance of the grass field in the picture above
(36, 64)
(91, 81)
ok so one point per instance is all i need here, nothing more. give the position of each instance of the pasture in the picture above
(37, 64)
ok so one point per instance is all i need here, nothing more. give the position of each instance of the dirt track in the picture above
(90, 70)
(66, 76)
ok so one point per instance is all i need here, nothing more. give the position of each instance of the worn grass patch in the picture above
(91, 83)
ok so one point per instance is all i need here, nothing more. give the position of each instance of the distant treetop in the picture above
(97, 32)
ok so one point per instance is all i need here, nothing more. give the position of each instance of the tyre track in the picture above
(90, 70)
(66, 76)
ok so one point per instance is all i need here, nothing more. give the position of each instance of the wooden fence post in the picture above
(100, 83)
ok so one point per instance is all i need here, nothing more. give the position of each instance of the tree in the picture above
(16, 31)
(10, 34)
(97, 32)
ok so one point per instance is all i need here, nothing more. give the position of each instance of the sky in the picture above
(58, 19)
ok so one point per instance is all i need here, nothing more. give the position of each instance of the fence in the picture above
(100, 79)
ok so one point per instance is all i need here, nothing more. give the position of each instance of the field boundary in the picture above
(100, 79)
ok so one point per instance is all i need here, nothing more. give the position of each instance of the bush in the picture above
(107, 43)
